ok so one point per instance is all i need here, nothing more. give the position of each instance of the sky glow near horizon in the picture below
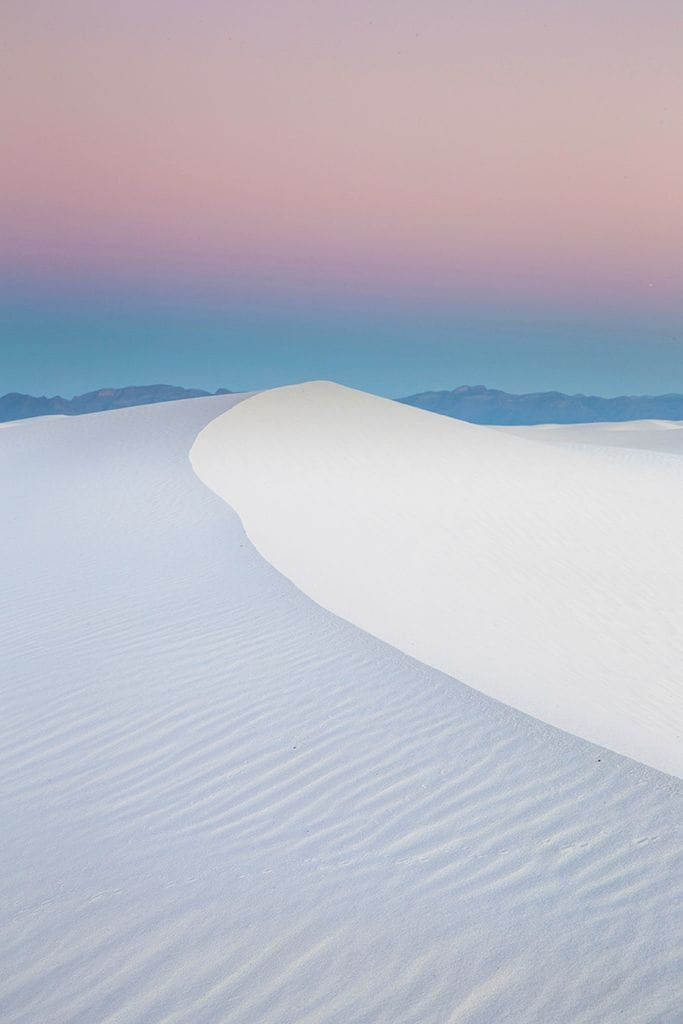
(472, 163)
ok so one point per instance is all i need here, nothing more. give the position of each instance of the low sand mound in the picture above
(653, 435)
(547, 576)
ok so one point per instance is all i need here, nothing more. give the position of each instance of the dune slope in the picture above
(220, 802)
(549, 577)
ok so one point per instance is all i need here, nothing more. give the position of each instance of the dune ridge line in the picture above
(548, 576)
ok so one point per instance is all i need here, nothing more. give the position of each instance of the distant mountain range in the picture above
(486, 405)
(474, 404)
(20, 407)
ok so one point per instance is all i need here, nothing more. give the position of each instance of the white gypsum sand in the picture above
(653, 435)
(221, 803)
(549, 577)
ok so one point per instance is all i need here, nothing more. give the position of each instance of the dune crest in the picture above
(547, 576)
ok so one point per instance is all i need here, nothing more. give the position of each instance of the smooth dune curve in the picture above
(547, 576)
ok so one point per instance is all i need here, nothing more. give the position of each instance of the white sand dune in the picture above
(548, 577)
(221, 803)
(45, 419)
(653, 435)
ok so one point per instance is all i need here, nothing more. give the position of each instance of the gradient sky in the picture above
(396, 195)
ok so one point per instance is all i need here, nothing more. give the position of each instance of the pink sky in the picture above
(491, 148)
